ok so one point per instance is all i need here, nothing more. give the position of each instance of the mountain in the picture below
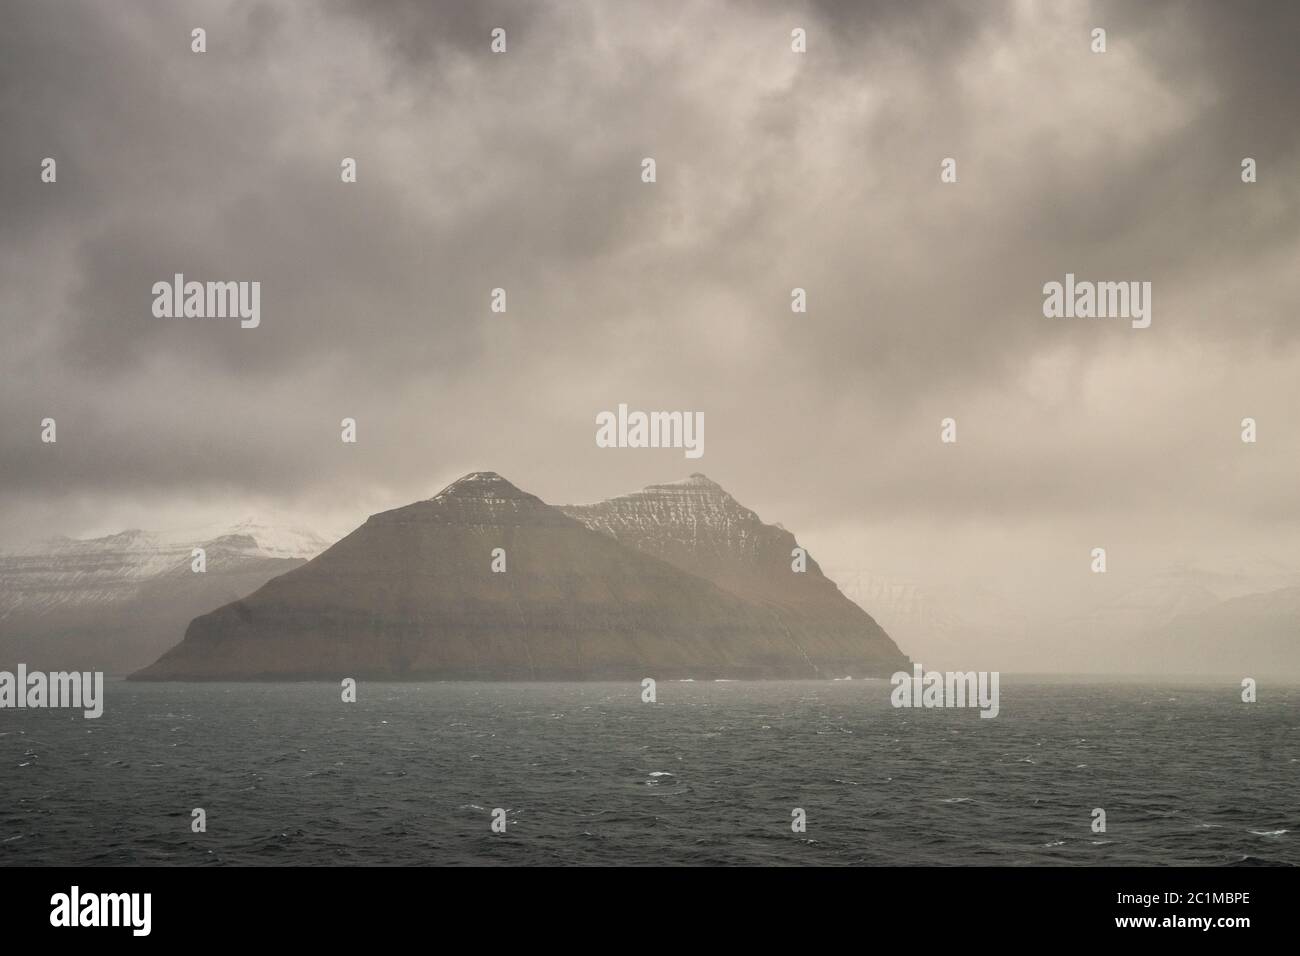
(1255, 635)
(115, 603)
(695, 525)
(411, 594)
(1137, 630)
(274, 537)
(1180, 619)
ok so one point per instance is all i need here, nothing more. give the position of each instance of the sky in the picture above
(522, 170)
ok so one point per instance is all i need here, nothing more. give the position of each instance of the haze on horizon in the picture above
(775, 171)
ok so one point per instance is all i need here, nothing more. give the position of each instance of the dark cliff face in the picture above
(696, 526)
(411, 594)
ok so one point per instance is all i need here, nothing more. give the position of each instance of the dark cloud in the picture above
(775, 171)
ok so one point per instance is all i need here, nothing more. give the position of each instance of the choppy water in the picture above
(287, 773)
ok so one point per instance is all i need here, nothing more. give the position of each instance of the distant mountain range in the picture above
(676, 581)
(1242, 619)
(1255, 635)
(115, 603)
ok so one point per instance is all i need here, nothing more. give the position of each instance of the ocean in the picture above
(711, 773)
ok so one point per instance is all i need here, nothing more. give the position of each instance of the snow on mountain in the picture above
(70, 572)
(115, 602)
(271, 538)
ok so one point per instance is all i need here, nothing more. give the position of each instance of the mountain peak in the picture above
(482, 485)
(697, 481)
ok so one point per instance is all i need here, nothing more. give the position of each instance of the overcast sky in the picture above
(775, 170)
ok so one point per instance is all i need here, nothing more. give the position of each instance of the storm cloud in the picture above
(775, 170)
